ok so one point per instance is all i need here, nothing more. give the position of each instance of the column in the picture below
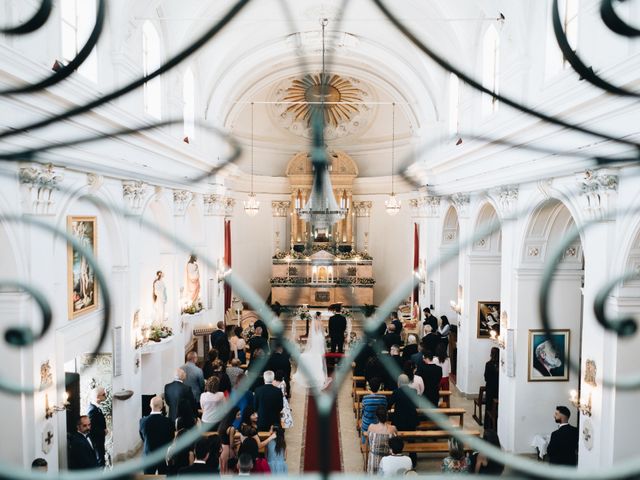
(280, 213)
(363, 214)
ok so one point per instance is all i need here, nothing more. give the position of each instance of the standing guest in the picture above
(199, 465)
(243, 401)
(492, 379)
(430, 340)
(442, 360)
(457, 461)
(176, 391)
(264, 332)
(234, 370)
(277, 452)
(429, 319)
(257, 342)
(396, 322)
(40, 465)
(415, 381)
(98, 431)
(178, 459)
(444, 328)
(217, 333)
(379, 434)
(369, 405)
(391, 337)
(237, 345)
(185, 418)
(195, 378)
(219, 371)
(211, 400)
(484, 465)
(215, 449)
(285, 415)
(227, 433)
(394, 353)
(223, 346)
(396, 463)
(82, 454)
(362, 359)
(405, 417)
(563, 445)
(281, 361)
(250, 446)
(207, 368)
(337, 327)
(245, 465)
(156, 431)
(249, 427)
(268, 402)
(410, 349)
(431, 375)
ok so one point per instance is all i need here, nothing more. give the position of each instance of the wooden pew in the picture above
(452, 413)
(357, 381)
(430, 441)
(359, 393)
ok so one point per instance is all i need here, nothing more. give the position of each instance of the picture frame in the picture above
(548, 356)
(488, 318)
(82, 287)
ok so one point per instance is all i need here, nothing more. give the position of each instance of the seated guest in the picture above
(237, 345)
(482, 464)
(411, 348)
(227, 434)
(211, 400)
(207, 368)
(442, 360)
(457, 461)
(396, 463)
(405, 417)
(245, 464)
(373, 370)
(249, 427)
(234, 370)
(394, 352)
(250, 446)
(415, 381)
(199, 465)
(361, 360)
(391, 337)
(379, 434)
(369, 405)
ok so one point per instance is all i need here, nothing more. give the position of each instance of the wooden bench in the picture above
(452, 413)
(477, 405)
(359, 393)
(357, 381)
(430, 441)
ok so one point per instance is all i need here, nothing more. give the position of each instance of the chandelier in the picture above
(392, 204)
(322, 209)
(252, 205)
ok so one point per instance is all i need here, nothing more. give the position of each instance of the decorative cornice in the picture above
(461, 203)
(229, 204)
(280, 208)
(94, 182)
(362, 209)
(214, 204)
(598, 188)
(506, 200)
(425, 206)
(133, 192)
(181, 200)
(40, 183)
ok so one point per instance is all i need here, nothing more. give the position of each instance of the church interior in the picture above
(325, 199)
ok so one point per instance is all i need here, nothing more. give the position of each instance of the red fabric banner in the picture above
(416, 260)
(227, 261)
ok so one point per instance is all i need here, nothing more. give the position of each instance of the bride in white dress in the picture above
(313, 358)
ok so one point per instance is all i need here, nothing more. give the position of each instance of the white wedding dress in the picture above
(312, 358)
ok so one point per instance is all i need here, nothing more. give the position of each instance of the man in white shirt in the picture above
(396, 463)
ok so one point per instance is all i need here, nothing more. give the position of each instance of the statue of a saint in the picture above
(192, 293)
(159, 298)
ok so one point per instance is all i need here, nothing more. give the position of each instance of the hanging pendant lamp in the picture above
(252, 205)
(392, 204)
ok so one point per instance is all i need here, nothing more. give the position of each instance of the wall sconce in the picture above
(498, 339)
(582, 406)
(49, 410)
(455, 307)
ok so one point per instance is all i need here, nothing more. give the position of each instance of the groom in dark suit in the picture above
(82, 454)
(337, 327)
(563, 445)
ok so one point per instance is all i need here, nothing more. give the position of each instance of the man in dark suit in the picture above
(391, 337)
(280, 360)
(405, 417)
(396, 321)
(258, 342)
(217, 334)
(156, 431)
(430, 319)
(176, 391)
(199, 465)
(98, 431)
(563, 445)
(337, 327)
(431, 375)
(82, 455)
(268, 403)
(265, 331)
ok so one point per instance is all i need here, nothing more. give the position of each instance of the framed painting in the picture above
(81, 279)
(548, 356)
(488, 318)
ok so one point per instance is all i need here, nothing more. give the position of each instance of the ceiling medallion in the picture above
(344, 110)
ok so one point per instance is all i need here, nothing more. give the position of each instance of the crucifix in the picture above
(49, 438)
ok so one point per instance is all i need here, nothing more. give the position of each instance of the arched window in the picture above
(569, 16)
(150, 62)
(490, 69)
(188, 104)
(77, 18)
(454, 101)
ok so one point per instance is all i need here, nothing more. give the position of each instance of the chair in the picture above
(477, 405)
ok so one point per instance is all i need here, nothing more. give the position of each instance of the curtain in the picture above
(416, 260)
(227, 261)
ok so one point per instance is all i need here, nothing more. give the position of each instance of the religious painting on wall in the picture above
(488, 319)
(81, 278)
(548, 356)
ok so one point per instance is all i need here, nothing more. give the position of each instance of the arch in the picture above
(450, 227)
(492, 244)
(151, 60)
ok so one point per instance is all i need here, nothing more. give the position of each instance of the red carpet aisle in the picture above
(311, 447)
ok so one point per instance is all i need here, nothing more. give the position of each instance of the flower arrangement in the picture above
(366, 281)
(294, 255)
(289, 280)
(158, 332)
(193, 308)
(303, 313)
